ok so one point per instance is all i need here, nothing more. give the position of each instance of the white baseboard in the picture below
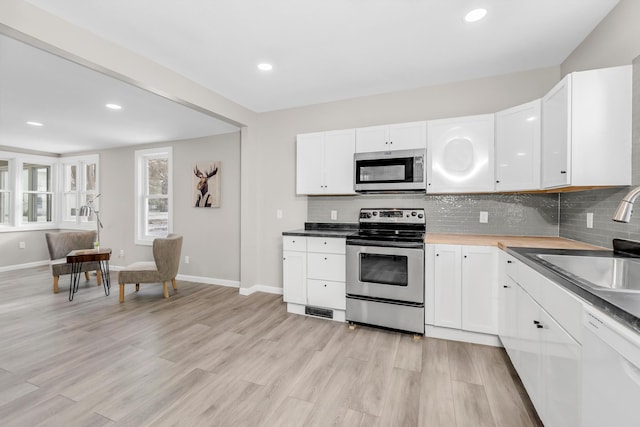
(261, 288)
(460, 335)
(209, 280)
(22, 266)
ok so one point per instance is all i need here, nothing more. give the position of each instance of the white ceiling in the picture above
(327, 50)
(69, 100)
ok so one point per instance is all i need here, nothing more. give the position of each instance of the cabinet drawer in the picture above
(329, 245)
(511, 267)
(530, 281)
(563, 307)
(326, 267)
(294, 243)
(325, 293)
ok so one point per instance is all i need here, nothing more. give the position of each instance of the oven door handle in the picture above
(385, 244)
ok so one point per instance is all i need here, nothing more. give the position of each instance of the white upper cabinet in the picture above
(460, 155)
(518, 147)
(325, 162)
(586, 129)
(401, 136)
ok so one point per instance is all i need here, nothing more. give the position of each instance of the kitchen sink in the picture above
(604, 273)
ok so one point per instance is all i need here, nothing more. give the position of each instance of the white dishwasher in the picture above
(610, 372)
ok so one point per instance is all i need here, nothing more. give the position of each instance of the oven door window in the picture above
(384, 170)
(384, 269)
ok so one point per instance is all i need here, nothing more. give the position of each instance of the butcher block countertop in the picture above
(507, 241)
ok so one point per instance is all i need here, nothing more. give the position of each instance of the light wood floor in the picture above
(210, 357)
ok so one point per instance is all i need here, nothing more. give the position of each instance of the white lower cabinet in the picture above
(545, 355)
(314, 273)
(464, 287)
(294, 269)
(325, 293)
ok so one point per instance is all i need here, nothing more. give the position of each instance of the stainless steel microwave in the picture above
(393, 171)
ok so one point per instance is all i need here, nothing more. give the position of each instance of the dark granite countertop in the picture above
(324, 229)
(622, 306)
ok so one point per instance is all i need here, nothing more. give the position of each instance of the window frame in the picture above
(80, 162)
(10, 190)
(18, 223)
(142, 157)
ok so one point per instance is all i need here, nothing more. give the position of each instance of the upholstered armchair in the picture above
(60, 244)
(164, 267)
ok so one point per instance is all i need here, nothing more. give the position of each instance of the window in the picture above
(154, 194)
(79, 184)
(37, 193)
(5, 192)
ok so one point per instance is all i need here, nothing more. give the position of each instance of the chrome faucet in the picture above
(623, 213)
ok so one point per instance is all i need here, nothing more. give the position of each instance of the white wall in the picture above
(615, 41)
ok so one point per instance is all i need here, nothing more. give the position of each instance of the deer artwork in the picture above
(204, 198)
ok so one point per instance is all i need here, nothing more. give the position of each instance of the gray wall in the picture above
(211, 236)
(512, 214)
(35, 248)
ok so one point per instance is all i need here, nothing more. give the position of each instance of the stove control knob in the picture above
(420, 216)
(375, 213)
(368, 215)
(414, 213)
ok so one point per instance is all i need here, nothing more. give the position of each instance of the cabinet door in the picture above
(447, 277)
(479, 289)
(508, 317)
(372, 138)
(518, 148)
(339, 147)
(528, 347)
(556, 135)
(294, 277)
(560, 370)
(460, 154)
(408, 136)
(310, 163)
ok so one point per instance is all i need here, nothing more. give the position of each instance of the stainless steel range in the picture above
(385, 269)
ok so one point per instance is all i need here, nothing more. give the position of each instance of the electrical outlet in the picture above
(22, 245)
(186, 259)
(334, 215)
(589, 219)
(121, 253)
(484, 217)
(279, 213)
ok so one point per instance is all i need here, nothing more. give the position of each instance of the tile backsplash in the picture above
(509, 214)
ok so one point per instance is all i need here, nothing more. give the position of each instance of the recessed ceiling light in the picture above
(113, 106)
(475, 15)
(265, 67)
(36, 124)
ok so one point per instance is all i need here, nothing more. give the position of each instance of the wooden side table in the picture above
(77, 257)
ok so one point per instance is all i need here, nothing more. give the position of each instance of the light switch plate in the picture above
(484, 217)
(334, 215)
(279, 213)
(589, 219)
